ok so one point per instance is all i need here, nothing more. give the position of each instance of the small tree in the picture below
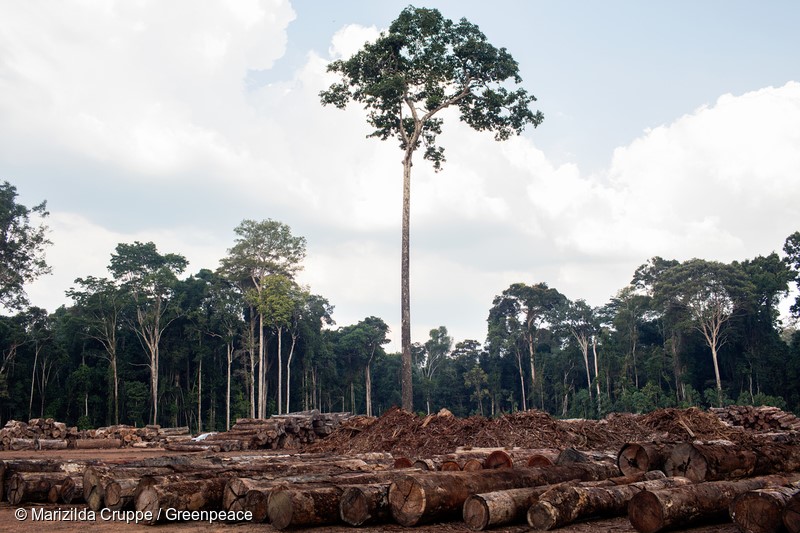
(405, 79)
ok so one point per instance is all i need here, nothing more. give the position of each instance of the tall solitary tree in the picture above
(423, 65)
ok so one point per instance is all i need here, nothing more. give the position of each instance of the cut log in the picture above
(637, 457)
(119, 494)
(498, 459)
(653, 511)
(761, 511)
(365, 504)
(420, 498)
(450, 466)
(291, 507)
(257, 503)
(236, 489)
(503, 507)
(403, 462)
(97, 478)
(93, 444)
(791, 515)
(718, 461)
(193, 495)
(424, 464)
(472, 465)
(563, 505)
(72, 489)
(539, 460)
(31, 486)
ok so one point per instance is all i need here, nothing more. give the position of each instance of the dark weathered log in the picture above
(365, 504)
(291, 507)
(761, 511)
(193, 495)
(637, 457)
(563, 505)
(503, 507)
(653, 511)
(791, 515)
(420, 498)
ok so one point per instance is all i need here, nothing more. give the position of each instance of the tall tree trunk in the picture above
(228, 389)
(521, 381)
(289, 372)
(368, 386)
(200, 396)
(280, 370)
(262, 396)
(596, 371)
(251, 381)
(116, 386)
(532, 354)
(405, 293)
(33, 382)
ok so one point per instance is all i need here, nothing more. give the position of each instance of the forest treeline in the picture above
(151, 343)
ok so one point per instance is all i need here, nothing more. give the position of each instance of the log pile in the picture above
(763, 418)
(278, 432)
(663, 485)
(48, 434)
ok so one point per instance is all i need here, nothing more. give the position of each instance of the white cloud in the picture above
(150, 99)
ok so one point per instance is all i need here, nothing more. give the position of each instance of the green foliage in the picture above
(22, 247)
(424, 64)
(84, 423)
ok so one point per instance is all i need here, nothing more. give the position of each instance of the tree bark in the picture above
(407, 395)
(365, 504)
(291, 507)
(191, 495)
(761, 510)
(712, 462)
(503, 507)
(561, 506)
(420, 498)
(654, 511)
(791, 515)
(31, 486)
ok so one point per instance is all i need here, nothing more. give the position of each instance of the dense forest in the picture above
(151, 343)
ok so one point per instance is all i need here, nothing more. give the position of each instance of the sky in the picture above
(671, 129)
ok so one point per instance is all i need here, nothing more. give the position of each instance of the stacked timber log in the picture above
(763, 418)
(277, 432)
(38, 433)
(47, 434)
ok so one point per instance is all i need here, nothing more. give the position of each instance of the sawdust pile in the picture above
(403, 433)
